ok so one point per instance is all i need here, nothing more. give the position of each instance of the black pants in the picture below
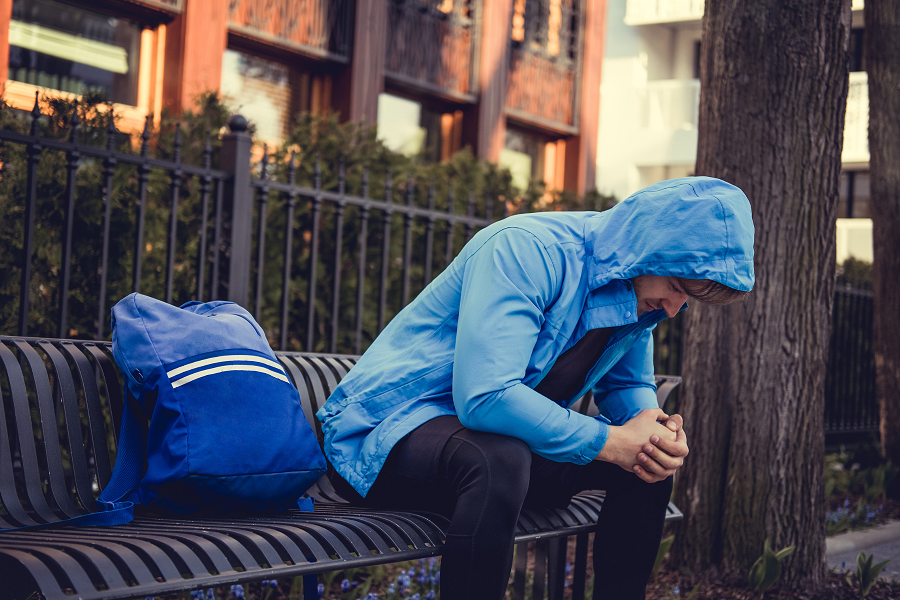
(480, 481)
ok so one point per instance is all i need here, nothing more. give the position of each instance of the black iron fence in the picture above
(321, 269)
(322, 266)
(851, 406)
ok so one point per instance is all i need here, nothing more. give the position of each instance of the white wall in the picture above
(648, 104)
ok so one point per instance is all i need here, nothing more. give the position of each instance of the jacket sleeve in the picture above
(629, 386)
(507, 286)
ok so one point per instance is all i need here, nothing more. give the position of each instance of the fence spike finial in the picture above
(177, 143)
(35, 115)
(264, 162)
(365, 181)
(207, 149)
(292, 166)
(74, 122)
(111, 129)
(145, 136)
(318, 171)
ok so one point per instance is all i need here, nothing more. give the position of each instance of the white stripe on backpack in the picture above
(225, 369)
(220, 359)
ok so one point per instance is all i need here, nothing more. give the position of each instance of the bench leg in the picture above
(521, 564)
(580, 568)
(310, 587)
(540, 570)
(556, 567)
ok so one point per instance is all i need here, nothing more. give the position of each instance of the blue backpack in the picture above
(227, 434)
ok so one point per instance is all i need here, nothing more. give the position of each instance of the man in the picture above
(460, 406)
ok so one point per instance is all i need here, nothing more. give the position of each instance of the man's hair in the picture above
(711, 292)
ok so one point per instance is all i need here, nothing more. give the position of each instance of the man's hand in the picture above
(628, 442)
(663, 456)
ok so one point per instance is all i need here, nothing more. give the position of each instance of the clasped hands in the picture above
(652, 445)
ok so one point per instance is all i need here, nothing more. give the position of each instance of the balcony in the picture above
(652, 12)
(430, 47)
(317, 28)
(669, 114)
(649, 12)
(544, 63)
(856, 123)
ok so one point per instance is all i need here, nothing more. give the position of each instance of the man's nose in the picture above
(673, 305)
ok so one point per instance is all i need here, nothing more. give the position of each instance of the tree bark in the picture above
(774, 77)
(883, 66)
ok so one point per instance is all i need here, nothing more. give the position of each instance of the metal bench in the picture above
(62, 405)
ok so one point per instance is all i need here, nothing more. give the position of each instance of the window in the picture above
(857, 53)
(523, 155)
(260, 89)
(72, 49)
(854, 195)
(409, 127)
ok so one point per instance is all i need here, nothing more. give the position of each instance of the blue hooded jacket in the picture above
(486, 331)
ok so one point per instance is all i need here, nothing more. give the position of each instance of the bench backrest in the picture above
(62, 407)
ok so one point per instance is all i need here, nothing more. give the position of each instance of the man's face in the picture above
(657, 291)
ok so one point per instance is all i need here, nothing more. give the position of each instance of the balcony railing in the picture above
(671, 104)
(856, 124)
(321, 28)
(167, 6)
(648, 12)
(543, 71)
(431, 47)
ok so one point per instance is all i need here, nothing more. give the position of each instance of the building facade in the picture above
(650, 93)
(515, 80)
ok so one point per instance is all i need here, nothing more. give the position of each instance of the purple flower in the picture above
(429, 595)
(391, 589)
(237, 591)
(568, 568)
(345, 585)
(210, 594)
(321, 589)
(437, 578)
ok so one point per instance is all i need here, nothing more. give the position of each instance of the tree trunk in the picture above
(883, 67)
(774, 79)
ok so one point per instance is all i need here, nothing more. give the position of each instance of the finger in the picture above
(661, 465)
(675, 422)
(667, 463)
(678, 447)
(657, 413)
(646, 476)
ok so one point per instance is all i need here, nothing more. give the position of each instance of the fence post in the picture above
(238, 213)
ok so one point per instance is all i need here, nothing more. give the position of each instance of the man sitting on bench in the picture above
(460, 406)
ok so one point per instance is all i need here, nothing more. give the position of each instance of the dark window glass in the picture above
(853, 200)
(69, 48)
(857, 55)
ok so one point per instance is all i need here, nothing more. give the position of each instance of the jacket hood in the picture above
(693, 227)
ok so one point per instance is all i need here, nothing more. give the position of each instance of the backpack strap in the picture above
(131, 461)
(115, 506)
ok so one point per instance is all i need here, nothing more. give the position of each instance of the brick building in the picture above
(516, 80)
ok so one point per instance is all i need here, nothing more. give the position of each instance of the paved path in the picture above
(883, 542)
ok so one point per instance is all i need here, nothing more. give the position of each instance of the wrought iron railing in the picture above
(431, 49)
(320, 273)
(645, 12)
(321, 28)
(140, 166)
(851, 405)
(544, 66)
